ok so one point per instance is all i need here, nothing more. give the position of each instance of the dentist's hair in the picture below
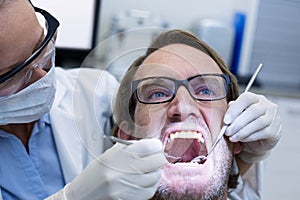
(125, 101)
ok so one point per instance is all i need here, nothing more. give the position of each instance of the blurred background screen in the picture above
(78, 28)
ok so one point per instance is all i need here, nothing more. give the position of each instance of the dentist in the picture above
(52, 121)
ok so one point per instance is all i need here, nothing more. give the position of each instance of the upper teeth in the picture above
(187, 134)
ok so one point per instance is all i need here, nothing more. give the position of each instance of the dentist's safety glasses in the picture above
(17, 82)
(43, 57)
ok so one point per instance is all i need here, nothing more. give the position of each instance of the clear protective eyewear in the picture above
(204, 87)
(13, 80)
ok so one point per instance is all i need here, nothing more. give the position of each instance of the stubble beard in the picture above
(215, 188)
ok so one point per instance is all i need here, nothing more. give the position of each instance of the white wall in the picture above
(281, 173)
(74, 16)
(182, 14)
(179, 13)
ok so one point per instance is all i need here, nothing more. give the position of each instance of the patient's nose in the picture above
(183, 105)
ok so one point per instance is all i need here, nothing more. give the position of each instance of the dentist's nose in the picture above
(183, 106)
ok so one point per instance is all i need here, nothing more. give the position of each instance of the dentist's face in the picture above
(20, 35)
(187, 127)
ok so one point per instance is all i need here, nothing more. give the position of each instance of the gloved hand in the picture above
(255, 121)
(122, 172)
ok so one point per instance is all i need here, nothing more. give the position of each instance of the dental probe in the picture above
(115, 139)
(126, 142)
(202, 159)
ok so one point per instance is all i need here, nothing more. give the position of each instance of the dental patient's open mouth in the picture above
(183, 146)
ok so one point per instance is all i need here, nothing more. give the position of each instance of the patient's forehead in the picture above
(177, 60)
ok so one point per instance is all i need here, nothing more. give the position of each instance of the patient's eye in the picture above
(157, 93)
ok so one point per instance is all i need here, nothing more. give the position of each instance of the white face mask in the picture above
(31, 103)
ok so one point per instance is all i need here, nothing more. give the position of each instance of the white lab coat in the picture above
(250, 186)
(80, 114)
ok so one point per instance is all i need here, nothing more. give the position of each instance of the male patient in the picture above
(179, 92)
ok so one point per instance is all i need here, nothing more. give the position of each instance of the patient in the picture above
(179, 92)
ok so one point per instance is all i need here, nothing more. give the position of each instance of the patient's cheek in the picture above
(149, 115)
(149, 121)
(142, 116)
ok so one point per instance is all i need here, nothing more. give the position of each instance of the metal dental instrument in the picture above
(127, 142)
(115, 139)
(202, 159)
(253, 77)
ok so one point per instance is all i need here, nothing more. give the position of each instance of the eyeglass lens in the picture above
(13, 84)
(42, 57)
(156, 90)
(43, 61)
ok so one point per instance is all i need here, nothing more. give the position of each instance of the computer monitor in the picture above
(78, 28)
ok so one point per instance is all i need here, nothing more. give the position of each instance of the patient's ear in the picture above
(124, 131)
(237, 147)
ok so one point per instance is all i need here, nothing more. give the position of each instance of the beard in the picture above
(187, 187)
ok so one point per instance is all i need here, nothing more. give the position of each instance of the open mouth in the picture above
(183, 146)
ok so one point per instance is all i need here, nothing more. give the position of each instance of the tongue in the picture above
(185, 149)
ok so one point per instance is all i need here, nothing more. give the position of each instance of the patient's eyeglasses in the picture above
(204, 87)
(9, 82)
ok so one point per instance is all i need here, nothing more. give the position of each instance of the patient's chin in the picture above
(194, 181)
(189, 187)
(182, 177)
(165, 193)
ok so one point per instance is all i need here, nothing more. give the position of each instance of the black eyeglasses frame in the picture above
(52, 25)
(178, 83)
